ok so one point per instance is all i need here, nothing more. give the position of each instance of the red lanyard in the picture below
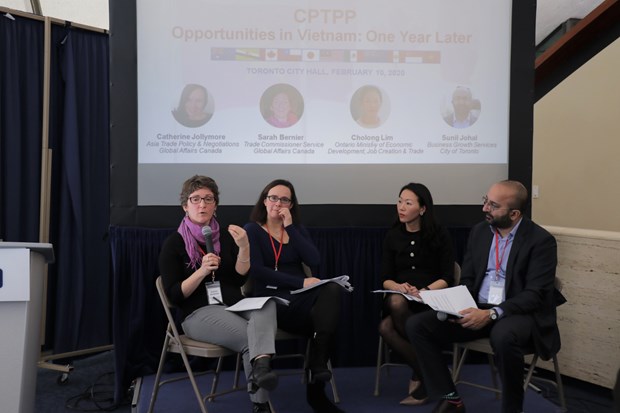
(498, 258)
(273, 246)
(201, 250)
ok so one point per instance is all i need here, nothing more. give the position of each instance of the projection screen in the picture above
(349, 100)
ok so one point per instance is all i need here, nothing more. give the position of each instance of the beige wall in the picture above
(577, 148)
(588, 263)
(577, 169)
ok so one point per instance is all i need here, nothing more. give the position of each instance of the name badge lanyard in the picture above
(499, 258)
(276, 254)
(496, 289)
(214, 292)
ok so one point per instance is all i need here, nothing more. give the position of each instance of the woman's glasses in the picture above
(209, 199)
(283, 200)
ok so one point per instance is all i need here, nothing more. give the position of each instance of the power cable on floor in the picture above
(96, 398)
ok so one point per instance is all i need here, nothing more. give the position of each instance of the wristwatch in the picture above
(493, 314)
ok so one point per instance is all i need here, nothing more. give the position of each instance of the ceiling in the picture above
(551, 13)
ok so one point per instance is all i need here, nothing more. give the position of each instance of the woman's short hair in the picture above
(198, 182)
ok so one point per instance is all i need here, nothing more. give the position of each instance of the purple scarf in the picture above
(194, 240)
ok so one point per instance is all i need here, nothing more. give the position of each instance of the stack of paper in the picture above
(254, 303)
(446, 300)
(343, 281)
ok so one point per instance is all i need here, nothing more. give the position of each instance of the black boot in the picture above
(262, 376)
(261, 408)
(320, 403)
(319, 354)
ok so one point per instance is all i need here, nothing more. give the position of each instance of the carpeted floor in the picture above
(355, 386)
(90, 388)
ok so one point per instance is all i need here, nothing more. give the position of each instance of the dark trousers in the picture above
(316, 310)
(509, 338)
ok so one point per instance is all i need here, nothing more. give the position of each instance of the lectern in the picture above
(22, 272)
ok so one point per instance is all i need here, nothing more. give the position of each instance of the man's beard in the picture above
(500, 222)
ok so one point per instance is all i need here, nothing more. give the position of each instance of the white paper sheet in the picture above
(407, 296)
(254, 303)
(342, 280)
(449, 300)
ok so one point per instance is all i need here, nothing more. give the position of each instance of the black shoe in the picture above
(315, 394)
(317, 363)
(262, 376)
(261, 408)
(448, 406)
(317, 375)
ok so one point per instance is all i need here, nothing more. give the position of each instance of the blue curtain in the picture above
(21, 96)
(139, 321)
(79, 288)
(355, 252)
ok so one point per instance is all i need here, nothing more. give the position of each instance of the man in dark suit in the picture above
(509, 268)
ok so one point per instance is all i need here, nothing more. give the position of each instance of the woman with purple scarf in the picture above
(203, 279)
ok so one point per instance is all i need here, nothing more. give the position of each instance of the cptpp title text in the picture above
(373, 36)
(319, 17)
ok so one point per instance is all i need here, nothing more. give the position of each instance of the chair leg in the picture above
(332, 381)
(494, 376)
(237, 371)
(455, 361)
(162, 360)
(216, 379)
(192, 379)
(457, 372)
(379, 362)
(558, 379)
(530, 372)
(459, 359)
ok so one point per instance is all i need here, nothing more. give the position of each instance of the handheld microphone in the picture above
(208, 234)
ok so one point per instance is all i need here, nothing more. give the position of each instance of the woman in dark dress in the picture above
(417, 255)
(280, 247)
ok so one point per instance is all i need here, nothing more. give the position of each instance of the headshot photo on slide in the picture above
(369, 106)
(281, 105)
(195, 107)
(461, 109)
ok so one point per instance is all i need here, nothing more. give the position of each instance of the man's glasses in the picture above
(283, 200)
(209, 199)
(492, 205)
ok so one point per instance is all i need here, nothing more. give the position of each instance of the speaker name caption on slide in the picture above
(461, 144)
(191, 144)
(366, 146)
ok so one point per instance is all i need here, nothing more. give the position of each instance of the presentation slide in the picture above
(329, 94)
